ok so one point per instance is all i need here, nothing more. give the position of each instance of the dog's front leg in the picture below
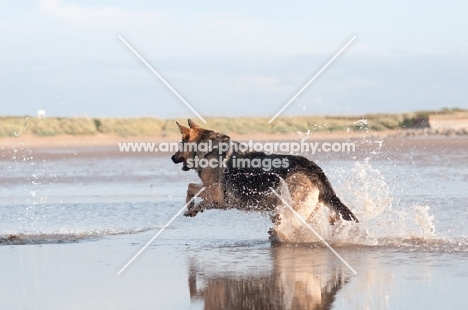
(212, 198)
(192, 190)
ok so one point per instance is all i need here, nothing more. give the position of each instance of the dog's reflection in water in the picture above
(297, 278)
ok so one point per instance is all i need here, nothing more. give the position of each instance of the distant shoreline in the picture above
(76, 132)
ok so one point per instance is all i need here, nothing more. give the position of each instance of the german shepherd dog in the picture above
(247, 188)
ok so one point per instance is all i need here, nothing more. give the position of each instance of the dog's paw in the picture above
(192, 210)
(275, 218)
(274, 239)
(190, 213)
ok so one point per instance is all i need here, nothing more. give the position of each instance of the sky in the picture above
(240, 58)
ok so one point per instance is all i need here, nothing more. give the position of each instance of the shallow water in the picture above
(71, 218)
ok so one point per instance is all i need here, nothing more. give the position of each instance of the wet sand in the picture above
(177, 272)
(98, 207)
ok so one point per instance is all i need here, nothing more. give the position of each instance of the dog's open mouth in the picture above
(178, 160)
(185, 167)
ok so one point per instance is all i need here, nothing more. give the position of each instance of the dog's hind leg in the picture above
(304, 194)
(303, 199)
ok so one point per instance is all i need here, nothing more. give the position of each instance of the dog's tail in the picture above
(328, 196)
(335, 203)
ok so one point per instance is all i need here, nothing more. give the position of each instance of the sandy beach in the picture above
(74, 212)
(109, 140)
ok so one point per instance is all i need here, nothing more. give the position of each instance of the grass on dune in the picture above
(11, 126)
(16, 126)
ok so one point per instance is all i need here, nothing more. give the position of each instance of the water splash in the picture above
(383, 219)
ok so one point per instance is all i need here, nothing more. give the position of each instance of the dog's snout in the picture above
(177, 159)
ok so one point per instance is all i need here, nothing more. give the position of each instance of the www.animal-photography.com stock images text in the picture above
(233, 155)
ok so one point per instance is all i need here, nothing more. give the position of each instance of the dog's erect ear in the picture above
(185, 131)
(192, 124)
